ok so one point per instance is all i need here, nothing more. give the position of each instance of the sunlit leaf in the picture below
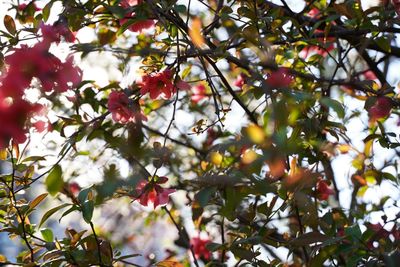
(3, 154)
(216, 158)
(37, 200)
(47, 234)
(54, 181)
(168, 263)
(195, 32)
(256, 134)
(50, 212)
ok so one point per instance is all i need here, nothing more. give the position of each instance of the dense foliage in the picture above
(260, 133)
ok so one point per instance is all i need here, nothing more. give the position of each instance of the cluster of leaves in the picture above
(289, 80)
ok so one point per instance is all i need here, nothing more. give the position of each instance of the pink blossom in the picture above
(14, 113)
(139, 25)
(279, 78)
(326, 46)
(323, 190)
(23, 6)
(54, 33)
(157, 84)
(381, 109)
(74, 188)
(182, 85)
(28, 62)
(314, 13)
(152, 192)
(240, 80)
(40, 126)
(118, 105)
(199, 247)
(369, 75)
(199, 93)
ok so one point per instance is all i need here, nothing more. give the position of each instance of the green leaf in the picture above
(46, 11)
(309, 238)
(383, 43)
(49, 213)
(353, 232)
(392, 259)
(117, 11)
(54, 181)
(243, 253)
(389, 176)
(33, 158)
(87, 210)
(211, 246)
(125, 26)
(83, 195)
(204, 195)
(333, 104)
(323, 255)
(180, 8)
(9, 23)
(72, 209)
(47, 234)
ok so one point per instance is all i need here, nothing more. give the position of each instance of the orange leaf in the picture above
(167, 263)
(195, 32)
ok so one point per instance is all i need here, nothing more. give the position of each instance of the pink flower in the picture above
(279, 78)
(129, 3)
(199, 93)
(140, 24)
(326, 46)
(41, 126)
(118, 105)
(323, 190)
(14, 114)
(369, 75)
(152, 192)
(199, 247)
(28, 62)
(240, 80)
(23, 6)
(157, 84)
(68, 75)
(26, 12)
(314, 13)
(74, 188)
(381, 109)
(54, 33)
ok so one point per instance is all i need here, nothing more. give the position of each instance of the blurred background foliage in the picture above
(257, 133)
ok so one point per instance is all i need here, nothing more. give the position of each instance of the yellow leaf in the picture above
(249, 156)
(368, 147)
(3, 154)
(168, 263)
(277, 167)
(15, 149)
(293, 166)
(216, 158)
(204, 165)
(37, 200)
(256, 134)
(3, 259)
(195, 32)
(343, 148)
(361, 192)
